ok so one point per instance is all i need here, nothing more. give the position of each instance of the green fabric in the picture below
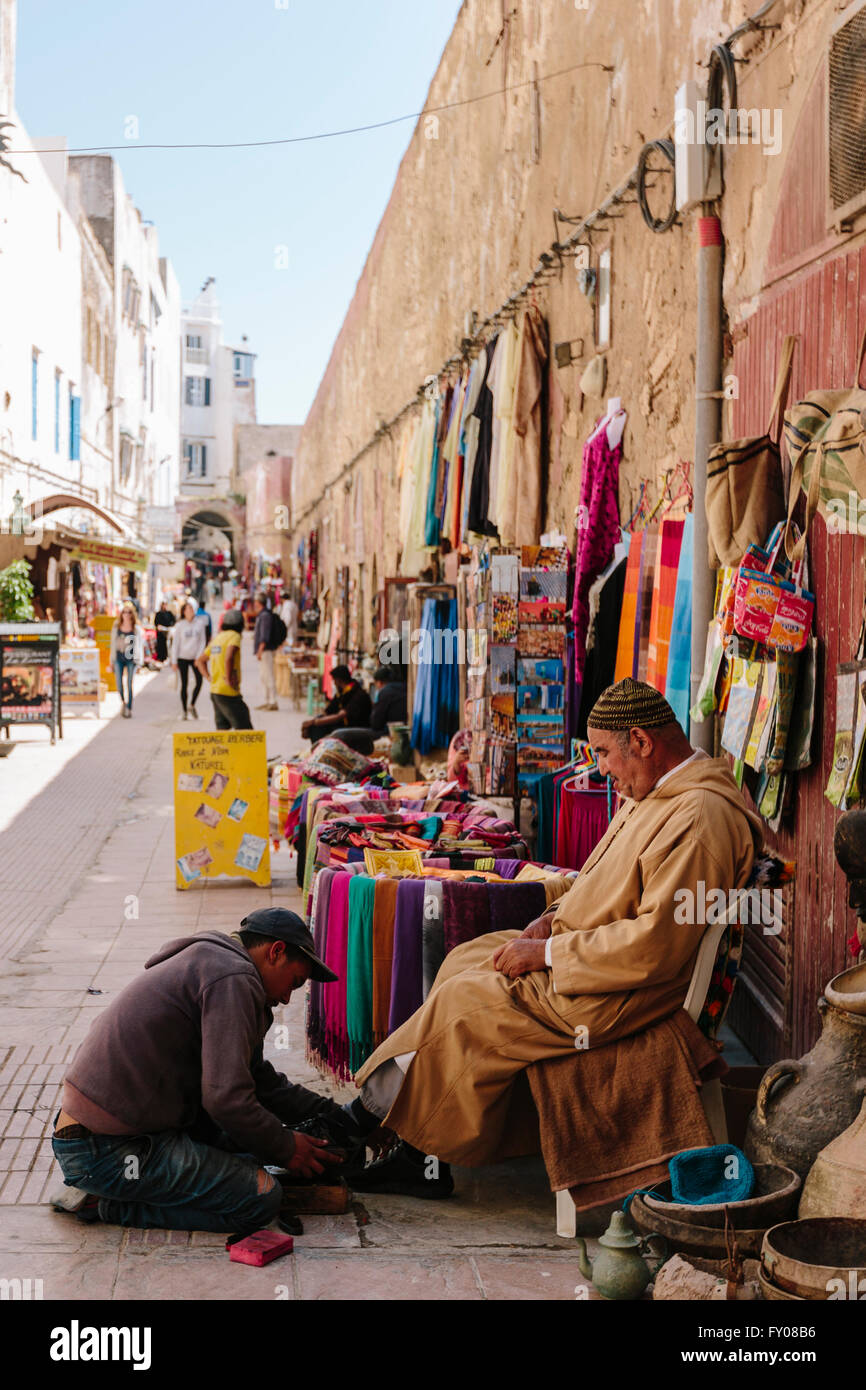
(359, 970)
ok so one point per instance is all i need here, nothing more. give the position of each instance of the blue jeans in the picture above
(168, 1180)
(121, 664)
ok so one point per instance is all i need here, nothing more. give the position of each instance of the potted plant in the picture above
(16, 593)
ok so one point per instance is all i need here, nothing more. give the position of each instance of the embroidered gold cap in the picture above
(630, 704)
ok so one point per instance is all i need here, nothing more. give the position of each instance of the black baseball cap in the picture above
(283, 925)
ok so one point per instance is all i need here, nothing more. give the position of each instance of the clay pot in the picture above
(816, 1259)
(803, 1105)
(836, 1185)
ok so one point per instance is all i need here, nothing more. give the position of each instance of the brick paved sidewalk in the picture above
(88, 828)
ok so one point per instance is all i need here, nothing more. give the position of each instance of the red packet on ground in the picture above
(260, 1248)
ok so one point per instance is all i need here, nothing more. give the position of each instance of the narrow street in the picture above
(87, 854)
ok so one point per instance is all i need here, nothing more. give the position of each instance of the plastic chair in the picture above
(710, 1094)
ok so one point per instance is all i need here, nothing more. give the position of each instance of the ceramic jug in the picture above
(804, 1104)
(836, 1185)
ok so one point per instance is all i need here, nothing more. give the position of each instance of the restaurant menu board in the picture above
(29, 675)
(221, 807)
(79, 680)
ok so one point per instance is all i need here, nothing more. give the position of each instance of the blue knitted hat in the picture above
(713, 1176)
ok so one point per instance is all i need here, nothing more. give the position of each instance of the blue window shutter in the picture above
(207, 390)
(74, 428)
(204, 460)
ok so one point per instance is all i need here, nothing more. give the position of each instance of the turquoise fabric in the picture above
(359, 970)
(712, 1176)
(677, 688)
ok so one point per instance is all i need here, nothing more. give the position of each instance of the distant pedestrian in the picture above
(289, 612)
(224, 654)
(269, 634)
(127, 653)
(189, 640)
(205, 619)
(163, 621)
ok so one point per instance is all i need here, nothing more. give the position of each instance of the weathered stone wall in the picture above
(472, 208)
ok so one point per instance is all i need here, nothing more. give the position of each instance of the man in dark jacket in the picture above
(389, 707)
(169, 1110)
(349, 708)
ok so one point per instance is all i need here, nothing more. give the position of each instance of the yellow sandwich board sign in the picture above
(221, 807)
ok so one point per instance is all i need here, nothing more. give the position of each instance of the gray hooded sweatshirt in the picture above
(187, 1035)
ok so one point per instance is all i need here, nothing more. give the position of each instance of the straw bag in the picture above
(833, 421)
(745, 490)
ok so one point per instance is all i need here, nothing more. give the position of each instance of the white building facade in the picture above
(218, 394)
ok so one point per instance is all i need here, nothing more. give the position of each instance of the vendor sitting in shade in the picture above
(350, 708)
(609, 958)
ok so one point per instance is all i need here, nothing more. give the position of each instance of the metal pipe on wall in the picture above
(708, 418)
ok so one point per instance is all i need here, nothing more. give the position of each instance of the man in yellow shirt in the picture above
(224, 654)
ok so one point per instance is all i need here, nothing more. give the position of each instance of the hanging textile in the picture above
(525, 513)
(661, 620)
(407, 979)
(431, 514)
(502, 377)
(605, 607)
(469, 426)
(384, 906)
(597, 530)
(359, 970)
(625, 651)
(505, 515)
(678, 683)
(454, 462)
(415, 549)
(479, 500)
(437, 689)
(643, 617)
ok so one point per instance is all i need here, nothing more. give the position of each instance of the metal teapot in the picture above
(619, 1270)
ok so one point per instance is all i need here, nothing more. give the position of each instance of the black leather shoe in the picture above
(405, 1173)
(341, 1135)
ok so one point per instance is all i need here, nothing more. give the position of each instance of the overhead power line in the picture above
(325, 134)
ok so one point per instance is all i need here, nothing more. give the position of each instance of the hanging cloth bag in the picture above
(745, 494)
(827, 430)
(770, 609)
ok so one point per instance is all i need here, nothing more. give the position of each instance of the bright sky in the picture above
(213, 70)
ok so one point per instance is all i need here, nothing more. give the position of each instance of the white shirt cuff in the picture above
(548, 956)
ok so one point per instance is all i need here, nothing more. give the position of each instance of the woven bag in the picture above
(745, 490)
(832, 423)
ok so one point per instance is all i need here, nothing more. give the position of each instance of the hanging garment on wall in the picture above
(625, 651)
(646, 584)
(524, 519)
(678, 681)
(415, 549)
(664, 592)
(597, 530)
(582, 820)
(503, 372)
(469, 427)
(431, 519)
(605, 605)
(437, 688)
(479, 500)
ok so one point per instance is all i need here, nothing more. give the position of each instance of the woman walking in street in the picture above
(189, 640)
(127, 653)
